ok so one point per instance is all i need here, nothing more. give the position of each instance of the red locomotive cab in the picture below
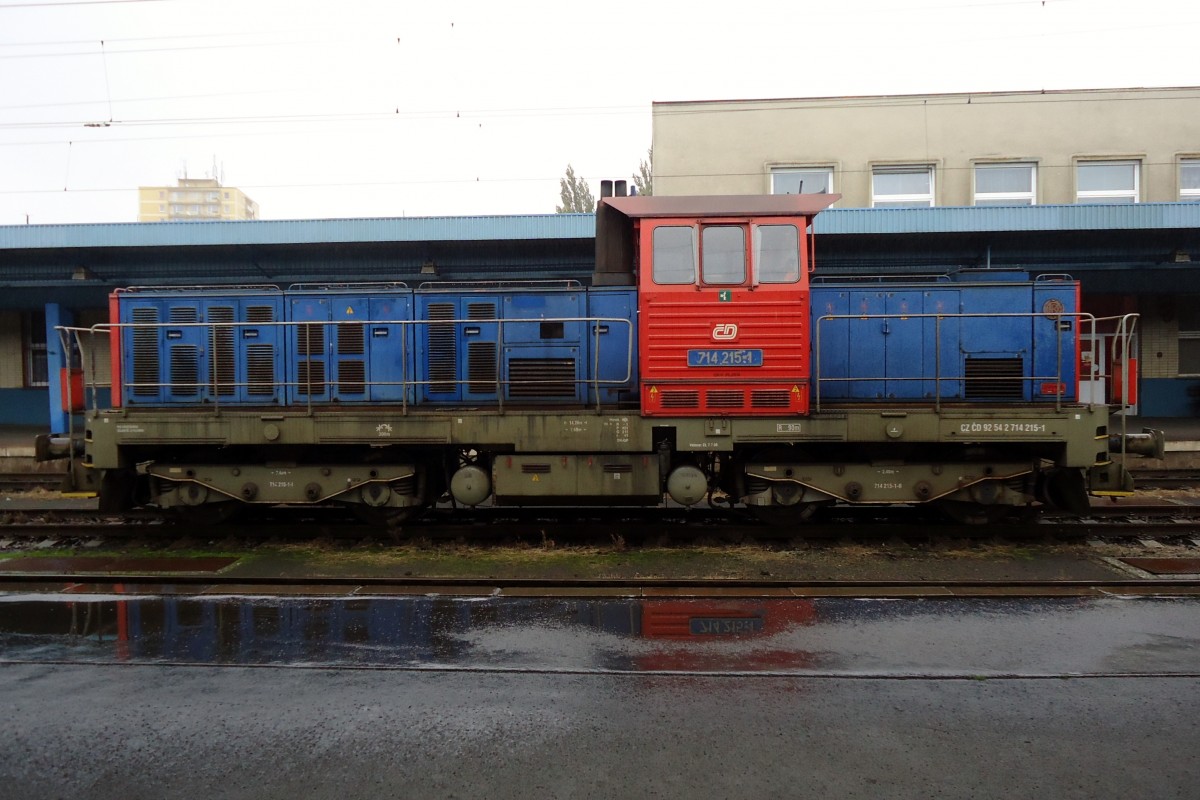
(723, 318)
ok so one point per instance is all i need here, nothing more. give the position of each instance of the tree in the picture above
(642, 180)
(576, 196)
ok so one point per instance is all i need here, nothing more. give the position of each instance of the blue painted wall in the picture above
(30, 407)
(24, 407)
(1169, 397)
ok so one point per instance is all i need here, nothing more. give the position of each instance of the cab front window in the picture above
(724, 255)
(777, 253)
(674, 254)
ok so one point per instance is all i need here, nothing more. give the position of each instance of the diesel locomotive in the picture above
(702, 364)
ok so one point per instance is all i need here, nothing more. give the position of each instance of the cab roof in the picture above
(728, 205)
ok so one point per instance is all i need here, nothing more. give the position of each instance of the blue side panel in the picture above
(458, 341)
(391, 363)
(612, 344)
(1055, 341)
(308, 351)
(188, 350)
(350, 346)
(980, 342)
(545, 346)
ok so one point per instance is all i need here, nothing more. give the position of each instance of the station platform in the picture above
(1182, 448)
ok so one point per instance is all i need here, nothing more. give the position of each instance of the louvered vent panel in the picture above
(618, 469)
(350, 338)
(310, 377)
(260, 314)
(443, 349)
(770, 398)
(725, 398)
(681, 399)
(481, 367)
(310, 339)
(224, 374)
(145, 353)
(185, 369)
(352, 376)
(994, 379)
(541, 377)
(535, 469)
(481, 311)
(183, 314)
(260, 369)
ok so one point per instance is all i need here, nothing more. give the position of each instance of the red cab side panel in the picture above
(724, 349)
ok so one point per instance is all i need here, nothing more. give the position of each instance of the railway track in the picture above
(24, 481)
(1176, 523)
(143, 583)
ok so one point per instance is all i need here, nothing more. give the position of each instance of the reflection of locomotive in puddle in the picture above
(681, 624)
(663, 635)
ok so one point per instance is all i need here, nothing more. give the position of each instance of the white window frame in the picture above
(882, 169)
(1185, 335)
(36, 351)
(1100, 194)
(1015, 198)
(1188, 195)
(792, 168)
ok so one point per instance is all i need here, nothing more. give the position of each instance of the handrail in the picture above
(209, 289)
(547, 283)
(937, 377)
(311, 287)
(328, 382)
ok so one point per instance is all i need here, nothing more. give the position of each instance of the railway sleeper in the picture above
(373, 485)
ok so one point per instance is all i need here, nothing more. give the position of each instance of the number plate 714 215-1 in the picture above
(720, 357)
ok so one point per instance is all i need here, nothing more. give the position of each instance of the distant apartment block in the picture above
(194, 200)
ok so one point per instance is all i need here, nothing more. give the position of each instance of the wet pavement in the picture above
(180, 697)
(826, 636)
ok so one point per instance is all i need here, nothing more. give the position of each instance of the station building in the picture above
(1104, 186)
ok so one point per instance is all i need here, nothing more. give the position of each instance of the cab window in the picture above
(724, 251)
(674, 254)
(777, 253)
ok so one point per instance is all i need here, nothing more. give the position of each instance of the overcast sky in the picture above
(377, 108)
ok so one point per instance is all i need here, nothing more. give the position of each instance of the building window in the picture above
(802, 180)
(1189, 180)
(902, 187)
(1189, 335)
(1107, 182)
(1007, 184)
(37, 368)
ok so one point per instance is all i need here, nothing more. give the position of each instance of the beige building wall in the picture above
(12, 351)
(95, 348)
(194, 199)
(730, 147)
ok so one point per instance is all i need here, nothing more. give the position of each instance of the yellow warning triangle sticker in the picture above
(795, 390)
(350, 310)
(536, 479)
(653, 391)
